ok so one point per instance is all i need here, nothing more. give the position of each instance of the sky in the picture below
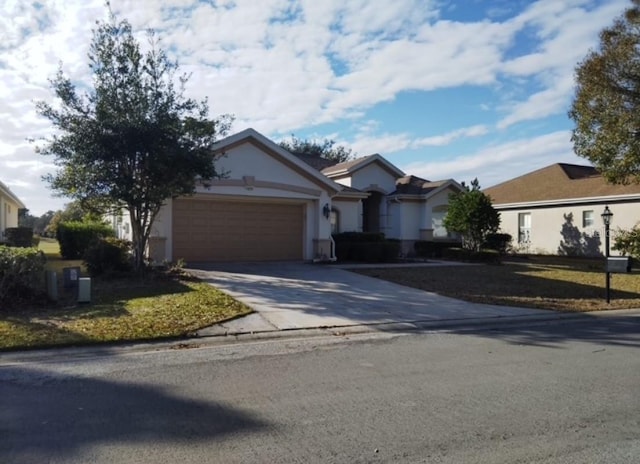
(441, 88)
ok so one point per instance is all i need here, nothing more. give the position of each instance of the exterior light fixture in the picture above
(326, 210)
(606, 216)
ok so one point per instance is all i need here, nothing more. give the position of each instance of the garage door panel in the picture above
(206, 230)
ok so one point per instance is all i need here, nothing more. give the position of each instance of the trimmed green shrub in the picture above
(19, 236)
(75, 237)
(108, 256)
(21, 274)
(366, 247)
(462, 254)
(498, 242)
(433, 248)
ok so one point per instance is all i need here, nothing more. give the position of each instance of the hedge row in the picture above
(19, 236)
(21, 274)
(109, 257)
(75, 237)
(483, 256)
(433, 249)
(366, 247)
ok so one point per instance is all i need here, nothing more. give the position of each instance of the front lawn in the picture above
(544, 282)
(157, 306)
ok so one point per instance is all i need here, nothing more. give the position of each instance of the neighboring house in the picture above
(9, 206)
(273, 205)
(556, 210)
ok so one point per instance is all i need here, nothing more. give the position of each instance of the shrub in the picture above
(433, 249)
(463, 254)
(498, 242)
(108, 256)
(19, 236)
(627, 242)
(21, 274)
(75, 237)
(366, 247)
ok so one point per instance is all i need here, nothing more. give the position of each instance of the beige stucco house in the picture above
(9, 206)
(557, 209)
(273, 205)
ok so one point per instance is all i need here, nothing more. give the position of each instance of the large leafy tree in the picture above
(326, 149)
(133, 140)
(472, 215)
(606, 107)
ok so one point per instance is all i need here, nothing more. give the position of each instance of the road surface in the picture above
(561, 392)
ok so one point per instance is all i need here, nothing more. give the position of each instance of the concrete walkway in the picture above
(289, 296)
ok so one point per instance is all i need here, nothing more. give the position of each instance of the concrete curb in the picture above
(83, 353)
(484, 323)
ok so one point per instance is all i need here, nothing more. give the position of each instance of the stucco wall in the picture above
(373, 174)
(8, 214)
(349, 215)
(253, 175)
(551, 231)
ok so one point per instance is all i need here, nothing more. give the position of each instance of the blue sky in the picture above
(442, 89)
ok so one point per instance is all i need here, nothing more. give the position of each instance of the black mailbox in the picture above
(619, 264)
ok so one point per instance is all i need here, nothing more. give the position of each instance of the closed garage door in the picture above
(205, 230)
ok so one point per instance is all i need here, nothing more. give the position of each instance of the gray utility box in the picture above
(619, 264)
(70, 277)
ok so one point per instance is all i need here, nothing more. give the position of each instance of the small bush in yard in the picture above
(108, 256)
(75, 237)
(21, 274)
(498, 242)
(19, 236)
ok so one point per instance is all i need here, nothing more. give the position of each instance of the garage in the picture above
(209, 230)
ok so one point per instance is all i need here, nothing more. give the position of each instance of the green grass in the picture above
(155, 307)
(543, 282)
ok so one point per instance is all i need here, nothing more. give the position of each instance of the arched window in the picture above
(437, 217)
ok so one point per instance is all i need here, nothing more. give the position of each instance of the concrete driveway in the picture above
(303, 296)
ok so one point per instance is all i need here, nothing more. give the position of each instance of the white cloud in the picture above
(498, 163)
(285, 65)
(446, 139)
(567, 31)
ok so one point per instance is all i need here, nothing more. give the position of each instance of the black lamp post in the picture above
(606, 218)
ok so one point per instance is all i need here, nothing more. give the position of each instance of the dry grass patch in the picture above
(157, 306)
(540, 282)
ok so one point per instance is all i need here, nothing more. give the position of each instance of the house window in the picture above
(588, 218)
(524, 227)
(334, 220)
(438, 214)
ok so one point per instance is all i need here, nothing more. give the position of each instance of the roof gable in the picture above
(6, 192)
(413, 185)
(349, 167)
(557, 182)
(284, 156)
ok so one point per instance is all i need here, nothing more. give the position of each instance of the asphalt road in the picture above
(562, 392)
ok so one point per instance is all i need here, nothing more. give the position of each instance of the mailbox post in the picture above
(606, 218)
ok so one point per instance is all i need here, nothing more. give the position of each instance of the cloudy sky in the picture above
(441, 88)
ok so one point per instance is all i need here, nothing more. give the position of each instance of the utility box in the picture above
(619, 264)
(51, 278)
(84, 290)
(70, 276)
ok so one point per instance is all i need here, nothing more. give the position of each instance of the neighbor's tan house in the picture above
(9, 206)
(556, 209)
(273, 205)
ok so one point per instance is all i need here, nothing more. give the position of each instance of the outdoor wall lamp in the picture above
(326, 210)
(606, 218)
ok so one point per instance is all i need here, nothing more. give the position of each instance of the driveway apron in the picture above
(300, 295)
